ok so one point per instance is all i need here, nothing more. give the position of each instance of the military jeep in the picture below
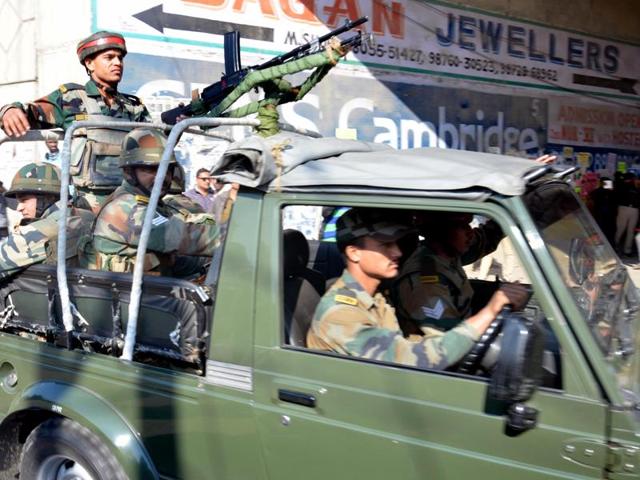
(106, 375)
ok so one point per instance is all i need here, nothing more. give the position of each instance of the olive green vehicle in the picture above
(219, 383)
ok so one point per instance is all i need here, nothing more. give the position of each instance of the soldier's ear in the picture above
(352, 253)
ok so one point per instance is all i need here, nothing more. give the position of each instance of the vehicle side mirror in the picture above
(518, 371)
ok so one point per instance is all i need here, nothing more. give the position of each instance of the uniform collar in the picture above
(91, 87)
(52, 209)
(127, 187)
(363, 297)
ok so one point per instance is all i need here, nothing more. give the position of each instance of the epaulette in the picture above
(142, 199)
(135, 100)
(65, 87)
(346, 296)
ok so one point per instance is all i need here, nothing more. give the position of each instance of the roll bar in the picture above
(138, 271)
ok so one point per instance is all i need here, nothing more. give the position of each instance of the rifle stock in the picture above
(213, 94)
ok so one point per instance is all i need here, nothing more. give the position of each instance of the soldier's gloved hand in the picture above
(15, 122)
(512, 294)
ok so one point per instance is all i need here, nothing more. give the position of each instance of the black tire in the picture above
(61, 446)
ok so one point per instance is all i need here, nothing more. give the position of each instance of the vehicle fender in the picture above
(91, 411)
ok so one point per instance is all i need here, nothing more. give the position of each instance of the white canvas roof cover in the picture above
(289, 161)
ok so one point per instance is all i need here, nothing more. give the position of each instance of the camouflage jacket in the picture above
(63, 106)
(117, 229)
(351, 322)
(433, 291)
(182, 204)
(37, 241)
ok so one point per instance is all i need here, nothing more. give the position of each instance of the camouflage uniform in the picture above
(36, 241)
(69, 103)
(74, 102)
(117, 232)
(432, 291)
(176, 200)
(117, 229)
(349, 321)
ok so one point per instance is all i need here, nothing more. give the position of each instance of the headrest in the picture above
(296, 252)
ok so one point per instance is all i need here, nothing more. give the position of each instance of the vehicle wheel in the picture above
(61, 449)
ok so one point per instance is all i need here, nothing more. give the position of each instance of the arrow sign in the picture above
(156, 18)
(624, 85)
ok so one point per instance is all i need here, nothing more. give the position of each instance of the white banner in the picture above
(412, 37)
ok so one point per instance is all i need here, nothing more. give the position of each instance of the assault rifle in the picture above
(213, 94)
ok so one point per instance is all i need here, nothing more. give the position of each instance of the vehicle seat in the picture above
(326, 258)
(303, 288)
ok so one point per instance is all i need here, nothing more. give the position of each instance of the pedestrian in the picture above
(604, 208)
(202, 192)
(627, 217)
(53, 152)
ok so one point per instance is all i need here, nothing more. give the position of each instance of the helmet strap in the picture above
(43, 203)
(131, 177)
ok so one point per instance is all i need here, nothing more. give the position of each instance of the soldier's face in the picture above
(147, 175)
(107, 67)
(460, 237)
(376, 259)
(27, 205)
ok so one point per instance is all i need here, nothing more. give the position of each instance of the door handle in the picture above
(299, 398)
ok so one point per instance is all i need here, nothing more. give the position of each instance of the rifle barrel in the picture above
(348, 25)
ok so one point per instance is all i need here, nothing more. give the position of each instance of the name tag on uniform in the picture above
(346, 299)
(429, 279)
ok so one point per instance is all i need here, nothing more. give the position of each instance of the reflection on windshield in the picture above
(593, 274)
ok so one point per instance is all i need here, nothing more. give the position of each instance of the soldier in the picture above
(102, 55)
(432, 290)
(36, 187)
(95, 175)
(119, 223)
(352, 319)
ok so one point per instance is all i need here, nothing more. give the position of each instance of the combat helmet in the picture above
(143, 147)
(35, 178)
(99, 42)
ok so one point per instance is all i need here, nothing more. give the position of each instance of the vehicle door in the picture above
(322, 415)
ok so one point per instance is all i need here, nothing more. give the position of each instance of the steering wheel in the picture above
(472, 360)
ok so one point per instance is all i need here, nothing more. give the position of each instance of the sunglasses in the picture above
(208, 179)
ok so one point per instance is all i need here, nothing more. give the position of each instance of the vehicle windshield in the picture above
(594, 275)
